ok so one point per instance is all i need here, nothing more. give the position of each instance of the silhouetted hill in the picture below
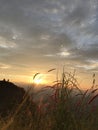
(10, 96)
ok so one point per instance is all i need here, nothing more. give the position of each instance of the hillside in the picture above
(10, 96)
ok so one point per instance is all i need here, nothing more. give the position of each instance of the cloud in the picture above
(4, 66)
(41, 31)
(4, 43)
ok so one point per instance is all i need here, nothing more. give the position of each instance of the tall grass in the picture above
(66, 108)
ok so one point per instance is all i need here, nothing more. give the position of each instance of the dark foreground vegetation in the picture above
(65, 106)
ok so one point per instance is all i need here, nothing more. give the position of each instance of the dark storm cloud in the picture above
(43, 29)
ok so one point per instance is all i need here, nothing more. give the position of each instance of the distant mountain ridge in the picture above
(10, 97)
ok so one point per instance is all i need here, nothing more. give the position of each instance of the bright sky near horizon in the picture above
(38, 35)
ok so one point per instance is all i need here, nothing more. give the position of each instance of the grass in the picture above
(66, 108)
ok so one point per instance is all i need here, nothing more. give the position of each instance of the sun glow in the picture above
(38, 81)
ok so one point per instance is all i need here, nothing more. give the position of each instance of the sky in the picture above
(38, 35)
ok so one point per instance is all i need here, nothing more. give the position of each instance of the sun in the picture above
(38, 81)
